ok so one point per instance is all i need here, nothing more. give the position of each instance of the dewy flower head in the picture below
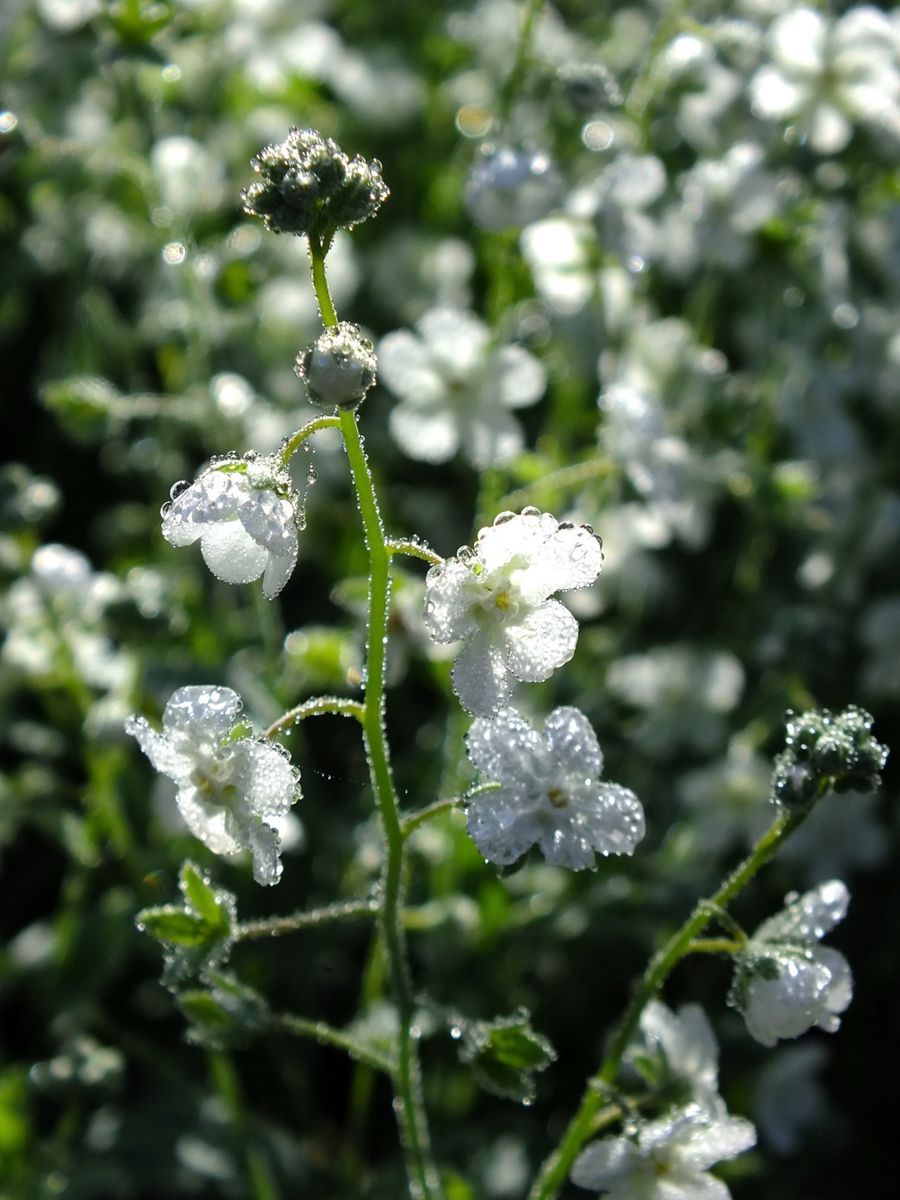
(826, 752)
(679, 1052)
(245, 513)
(495, 597)
(550, 792)
(309, 185)
(668, 1159)
(456, 389)
(785, 982)
(228, 784)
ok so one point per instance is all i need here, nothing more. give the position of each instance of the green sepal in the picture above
(505, 1053)
(225, 1014)
(196, 938)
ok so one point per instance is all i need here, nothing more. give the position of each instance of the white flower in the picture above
(231, 787)
(509, 187)
(245, 512)
(550, 793)
(496, 598)
(456, 389)
(667, 1159)
(826, 74)
(686, 1049)
(786, 983)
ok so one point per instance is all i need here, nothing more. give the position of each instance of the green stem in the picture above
(296, 440)
(414, 549)
(327, 1035)
(412, 821)
(424, 1181)
(316, 707)
(317, 252)
(555, 1170)
(278, 926)
(423, 1176)
(559, 480)
(719, 945)
(513, 84)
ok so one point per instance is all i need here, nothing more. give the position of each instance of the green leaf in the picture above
(226, 1014)
(174, 926)
(205, 902)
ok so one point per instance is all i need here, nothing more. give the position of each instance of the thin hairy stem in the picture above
(317, 707)
(555, 1170)
(296, 440)
(327, 1035)
(424, 1181)
(513, 84)
(269, 927)
(412, 821)
(414, 549)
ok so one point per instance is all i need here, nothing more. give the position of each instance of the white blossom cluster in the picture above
(231, 785)
(786, 983)
(245, 513)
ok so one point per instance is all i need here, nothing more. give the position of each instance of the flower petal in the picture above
(480, 678)
(515, 377)
(266, 777)
(427, 434)
(406, 368)
(205, 712)
(491, 436)
(499, 827)
(448, 612)
(571, 557)
(572, 742)
(231, 553)
(605, 1164)
(163, 754)
(507, 749)
(702, 1145)
(543, 640)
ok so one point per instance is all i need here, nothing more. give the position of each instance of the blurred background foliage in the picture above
(737, 317)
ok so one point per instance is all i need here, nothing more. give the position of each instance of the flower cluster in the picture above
(456, 389)
(245, 512)
(230, 785)
(496, 598)
(785, 982)
(550, 793)
(827, 752)
(308, 185)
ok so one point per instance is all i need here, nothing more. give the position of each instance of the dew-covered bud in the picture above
(308, 185)
(827, 752)
(338, 368)
(589, 87)
(508, 188)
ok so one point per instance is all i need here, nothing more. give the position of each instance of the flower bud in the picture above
(825, 752)
(589, 87)
(338, 368)
(308, 185)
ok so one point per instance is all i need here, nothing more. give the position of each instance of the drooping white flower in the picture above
(456, 389)
(231, 787)
(551, 794)
(668, 1159)
(826, 74)
(496, 598)
(245, 513)
(786, 982)
(685, 1052)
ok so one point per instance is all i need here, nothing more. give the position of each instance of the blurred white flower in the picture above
(245, 513)
(562, 254)
(785, 982)
(724, 202)
(620, 200)
(826, 74)
(456, 388)
(667, 1160)
(686, 1050)
(789, 1101)
(188, 176)
(509, 187)
(496, 597)
(232, 788)
(551, 794)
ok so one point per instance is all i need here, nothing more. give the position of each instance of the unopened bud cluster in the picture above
(308, 185)
(827, 752)
(338, 368)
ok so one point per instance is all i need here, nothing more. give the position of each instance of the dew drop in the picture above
(530, 511)
(311, 475)
(164, 509)
(503, 517)
(177, 488)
